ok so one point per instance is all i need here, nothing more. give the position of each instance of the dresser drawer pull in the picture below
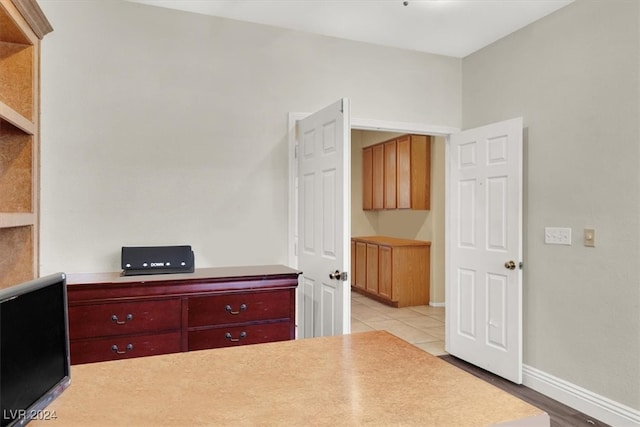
(115, 349)
(242, 335)
(243, 307)
(114, 319)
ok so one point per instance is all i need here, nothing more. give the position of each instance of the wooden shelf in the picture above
(10, 115)
(10, 220)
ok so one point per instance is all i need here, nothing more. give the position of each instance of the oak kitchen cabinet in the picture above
(392, 270)
(397, 174)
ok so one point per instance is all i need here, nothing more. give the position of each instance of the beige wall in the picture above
(409, 224)
(574, 78)
(166, 127)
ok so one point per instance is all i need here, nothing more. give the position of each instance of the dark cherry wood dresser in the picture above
(116, 317)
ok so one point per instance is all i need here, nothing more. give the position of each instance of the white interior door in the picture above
(324, 215)
(484, 278)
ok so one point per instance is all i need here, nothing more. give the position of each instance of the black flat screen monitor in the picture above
(34, 348)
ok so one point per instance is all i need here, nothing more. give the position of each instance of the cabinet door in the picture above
(420, 172)
(390, 175)
(404, 172)
(385, 270)
(378, 176)
(367, 179)
(372, 268)
(361, 265)
(352, 273)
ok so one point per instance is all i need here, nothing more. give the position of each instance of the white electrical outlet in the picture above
(557, 236)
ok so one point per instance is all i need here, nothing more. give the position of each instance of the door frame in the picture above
(358, 124)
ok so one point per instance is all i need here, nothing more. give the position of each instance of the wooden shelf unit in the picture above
(22, 26)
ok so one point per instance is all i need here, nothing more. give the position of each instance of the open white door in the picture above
(484, 276)
(324, 215)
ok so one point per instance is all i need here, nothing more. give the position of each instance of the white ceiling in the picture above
(448, 27)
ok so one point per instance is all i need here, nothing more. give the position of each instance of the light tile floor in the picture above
(422, 326)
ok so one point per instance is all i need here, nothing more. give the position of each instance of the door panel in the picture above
(324, 221)
(484, 297)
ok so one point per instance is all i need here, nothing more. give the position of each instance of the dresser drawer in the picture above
(239, 335)
(115, 348)
(108, 319)
(239, 308)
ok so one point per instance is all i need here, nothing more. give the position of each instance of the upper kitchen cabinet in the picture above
(397, 174)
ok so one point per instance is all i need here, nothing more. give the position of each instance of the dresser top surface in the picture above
(253, 271)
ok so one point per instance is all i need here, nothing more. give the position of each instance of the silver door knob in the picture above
(510, 265)
(337, 275)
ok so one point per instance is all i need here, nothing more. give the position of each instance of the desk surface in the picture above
(370, 378)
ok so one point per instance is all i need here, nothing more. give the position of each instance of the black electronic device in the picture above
(137, 260)
(34, 349)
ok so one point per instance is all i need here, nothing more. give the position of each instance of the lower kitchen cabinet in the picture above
(392, 270)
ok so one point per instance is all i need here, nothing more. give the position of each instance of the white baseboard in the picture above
(436, 304)
(592, 404)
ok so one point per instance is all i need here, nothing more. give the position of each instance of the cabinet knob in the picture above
(229, 310)
(128, 318)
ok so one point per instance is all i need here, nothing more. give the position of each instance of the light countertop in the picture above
(370, 378)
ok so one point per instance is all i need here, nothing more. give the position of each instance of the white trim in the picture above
(447, 225)
(293, 118)
(583, 400)
(437, 304)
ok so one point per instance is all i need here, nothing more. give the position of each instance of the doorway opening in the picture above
(422, 325)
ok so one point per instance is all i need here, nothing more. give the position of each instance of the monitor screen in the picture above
(34, 348)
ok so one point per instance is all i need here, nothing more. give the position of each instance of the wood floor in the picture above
(560, 414)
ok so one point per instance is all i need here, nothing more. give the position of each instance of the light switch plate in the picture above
(557, 236)
(589, 237)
